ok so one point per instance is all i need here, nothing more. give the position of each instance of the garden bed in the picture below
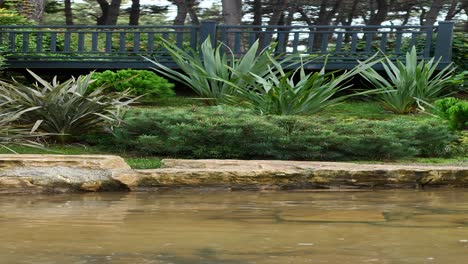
(356, 131)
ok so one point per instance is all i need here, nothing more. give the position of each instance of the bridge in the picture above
(117, 47)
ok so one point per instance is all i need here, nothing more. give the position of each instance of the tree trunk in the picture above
(68, 12)
(232, 15)
(192, 13)
(465, 7)
(278, 9)
(32, 9)
(349, 19)
(101, 20)
(257, 10)
(109, 12)
(431, 16)
(232, 12)
(134, 13)
(352, 12)
(453, 10)
(381, 14)
(114, 11)
(325, 17)
(181, 12)
(38, 12)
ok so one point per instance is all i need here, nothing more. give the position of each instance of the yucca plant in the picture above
(64, 109)
(409, 81)
(285, 93)
(214, 71)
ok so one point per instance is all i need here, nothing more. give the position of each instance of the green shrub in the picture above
(139, 82)
(64, 109)
(454, 110)
(408, 82)
(227, 132)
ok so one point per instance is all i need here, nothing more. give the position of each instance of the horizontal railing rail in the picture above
(102, 47)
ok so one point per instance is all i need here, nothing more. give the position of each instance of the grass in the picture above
(349, 109)
(178, 101)
(453, 160)
(365, 110)
(78, 149)
(144, 162)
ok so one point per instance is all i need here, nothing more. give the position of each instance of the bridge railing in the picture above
(94, 47)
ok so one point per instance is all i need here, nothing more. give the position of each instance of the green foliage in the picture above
(460, 81)
(460, 147)
(2, 61)
(143, 163)
(454, 110)
(408, 82)
(64, 109)
(138, 82)
(285, 93)
(12, 133)
(227, 132)
(460, 50)
(11, 17)
(213, 72)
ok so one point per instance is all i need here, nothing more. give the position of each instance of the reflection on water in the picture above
(193, 227)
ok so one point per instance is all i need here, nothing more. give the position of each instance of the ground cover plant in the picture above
(227, 132)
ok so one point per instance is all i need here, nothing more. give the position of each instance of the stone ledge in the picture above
(50, 160)
(60, 173)
(293, 174)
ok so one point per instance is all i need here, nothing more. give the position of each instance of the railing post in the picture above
(208, 29)
(443, 45)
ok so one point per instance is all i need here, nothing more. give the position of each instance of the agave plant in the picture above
(409, 81)
(213, 72)
(64, 109)
(285, 93)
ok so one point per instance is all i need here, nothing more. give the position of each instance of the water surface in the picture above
(195, 227)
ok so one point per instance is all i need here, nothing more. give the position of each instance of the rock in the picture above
(59, 173)
(273, 174)
(47, 160)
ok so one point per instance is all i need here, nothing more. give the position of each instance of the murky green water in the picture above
(193, 227)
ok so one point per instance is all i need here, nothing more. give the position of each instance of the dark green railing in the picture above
(112, 47)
